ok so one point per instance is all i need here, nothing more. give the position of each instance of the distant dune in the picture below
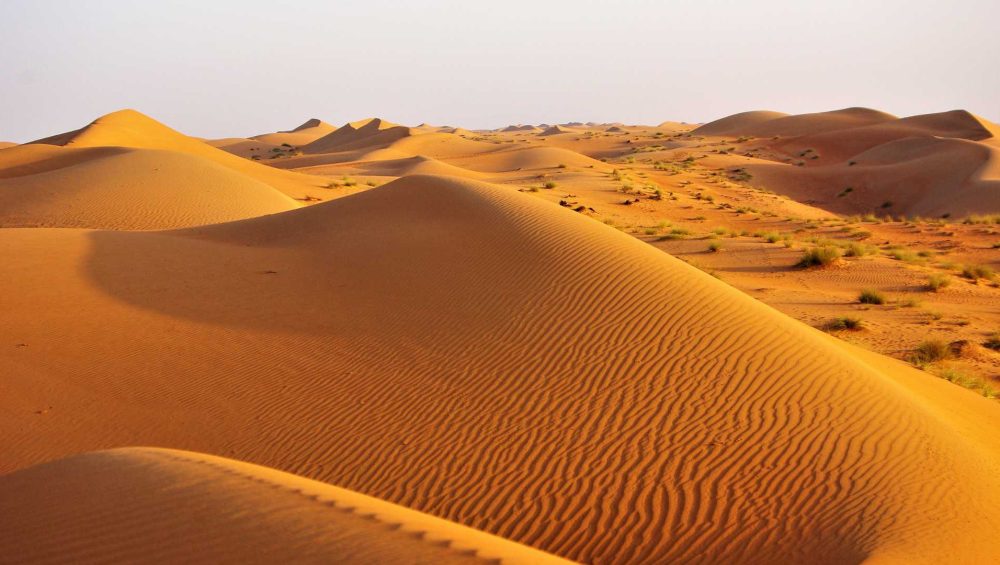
(555, 130)
(764, 123)
(521, 128)
(528, 158)
(418, 165)
(367, 133)
(306, 133)
(594, 398)
(862, 161)
(128, 128)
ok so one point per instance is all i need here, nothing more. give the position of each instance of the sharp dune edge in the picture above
(141, 502)
(488, 358)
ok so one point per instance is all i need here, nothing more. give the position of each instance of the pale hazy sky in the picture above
(242, 67)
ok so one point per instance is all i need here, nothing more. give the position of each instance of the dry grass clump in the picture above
(819, 257)
(871, 296)
(937, 282)
(855, 249)
(993, 341)
(976, 272)
(930, 351)
(845, 323)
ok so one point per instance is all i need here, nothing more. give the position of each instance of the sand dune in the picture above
(521, 128)
(128, 128)
(132, 189)
(246, 148)
(528, 158)
(356, 135)
(679, 125)
(844, 144)
(738, 124)
(926, 176)
(555, 130)
(6, 144)
(767, 124)
(390, 148)
(308, 132)
(601, 401)
(137, 504)
(419, 165)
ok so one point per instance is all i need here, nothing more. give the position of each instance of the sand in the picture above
(661, 414)
(500, 346)
(132, 189)
(140, 502)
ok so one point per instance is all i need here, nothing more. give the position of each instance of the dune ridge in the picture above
(602, 401)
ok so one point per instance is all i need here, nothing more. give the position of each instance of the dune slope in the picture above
(136, 505)
(131, 189)
(472, 352)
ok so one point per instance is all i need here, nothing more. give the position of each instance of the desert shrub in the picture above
(550, 185)
(930, 351)
(871, 296)
(904, 255)
(975, 272)
(714, 246)
(819, 257)
(854, 249)
(771, 236)
(937, 282)
(845, 323)
(993, 341)
(982, 219)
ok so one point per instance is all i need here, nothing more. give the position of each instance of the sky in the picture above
(237, 68)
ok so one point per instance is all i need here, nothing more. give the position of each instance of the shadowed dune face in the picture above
(133, 505)
(474, 353)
